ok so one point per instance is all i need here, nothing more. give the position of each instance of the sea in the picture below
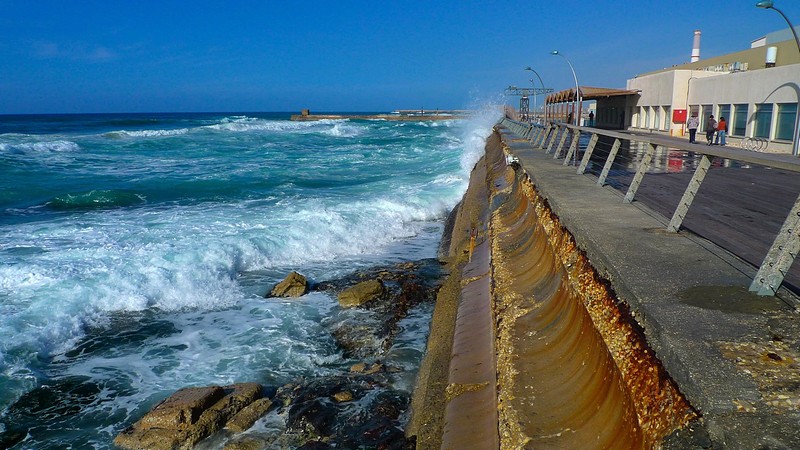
(136, 250)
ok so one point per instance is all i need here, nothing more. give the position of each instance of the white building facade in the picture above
(757, 91)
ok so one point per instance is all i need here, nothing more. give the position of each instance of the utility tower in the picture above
(524, 101)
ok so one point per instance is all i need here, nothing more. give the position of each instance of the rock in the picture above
(344, 396)
(188, 416)
(312, 419)
(361, 293)
(182, 409)
(245, 418)
(314, 445)
(358, 367)
(294, 285)
(375, 368)
(247, 444)
(359, 339)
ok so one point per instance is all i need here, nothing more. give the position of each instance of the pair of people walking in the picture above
(712, 127)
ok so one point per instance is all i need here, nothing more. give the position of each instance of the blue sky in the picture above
(173, 56)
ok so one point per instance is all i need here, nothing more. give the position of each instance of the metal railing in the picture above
(603, 146)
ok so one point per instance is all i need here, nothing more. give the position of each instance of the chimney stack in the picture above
(696, 46)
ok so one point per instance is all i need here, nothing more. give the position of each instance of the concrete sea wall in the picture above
(543, 353)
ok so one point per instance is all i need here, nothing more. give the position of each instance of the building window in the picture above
(739, 120)
(647, 117)
(763, 120)
(657, 121)
(707, 111)
(667, 118)
(725, 111)
(787, 114)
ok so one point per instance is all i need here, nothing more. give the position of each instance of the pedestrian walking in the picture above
(722, 131)
(693, 123)
(711, 127)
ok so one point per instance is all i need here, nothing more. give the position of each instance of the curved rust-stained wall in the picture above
(573, 370)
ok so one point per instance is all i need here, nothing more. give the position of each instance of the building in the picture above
(756, 90)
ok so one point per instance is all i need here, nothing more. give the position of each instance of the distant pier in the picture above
(399, 115)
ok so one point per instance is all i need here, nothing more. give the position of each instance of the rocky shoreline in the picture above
(357, 408)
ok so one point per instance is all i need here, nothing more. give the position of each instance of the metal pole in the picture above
(543, 88)
(769, 4)
(577, 87)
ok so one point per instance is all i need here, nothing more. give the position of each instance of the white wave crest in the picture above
(344, 130)
(150, 133)
(59, 146)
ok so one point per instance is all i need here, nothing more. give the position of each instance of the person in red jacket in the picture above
(722, 131)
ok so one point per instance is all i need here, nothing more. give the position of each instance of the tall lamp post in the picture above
(534, 91)
(769, 4)
(577, 87)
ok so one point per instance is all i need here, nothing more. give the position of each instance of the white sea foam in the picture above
(476, 129)
(57, 146)
(150, 133)
(246, 124)
(344, 130)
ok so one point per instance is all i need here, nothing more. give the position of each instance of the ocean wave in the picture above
(95, 199)
(344, 130)
(146, 133)
(58, 146)
(246, 124)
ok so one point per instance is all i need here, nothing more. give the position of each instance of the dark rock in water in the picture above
(294, 285)
(405, 285)
(314, 445)
(313, 419)
(50, 402)
(371, 419)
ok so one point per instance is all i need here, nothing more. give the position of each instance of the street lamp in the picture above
(534, 91)
(769, 4)
(577, 87)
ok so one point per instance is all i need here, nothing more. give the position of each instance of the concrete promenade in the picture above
(733, 354)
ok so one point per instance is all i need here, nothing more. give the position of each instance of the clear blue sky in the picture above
(71, 56)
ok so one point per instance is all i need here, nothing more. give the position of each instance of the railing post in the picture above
(643, 167)
(588, 153)
(690, 193)
(573, 148)
(780, 256)
(564, 134)
(553, 138)
(535, 135)
(543, 137)
(609, 162)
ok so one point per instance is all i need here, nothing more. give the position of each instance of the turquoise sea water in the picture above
(135, 251)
